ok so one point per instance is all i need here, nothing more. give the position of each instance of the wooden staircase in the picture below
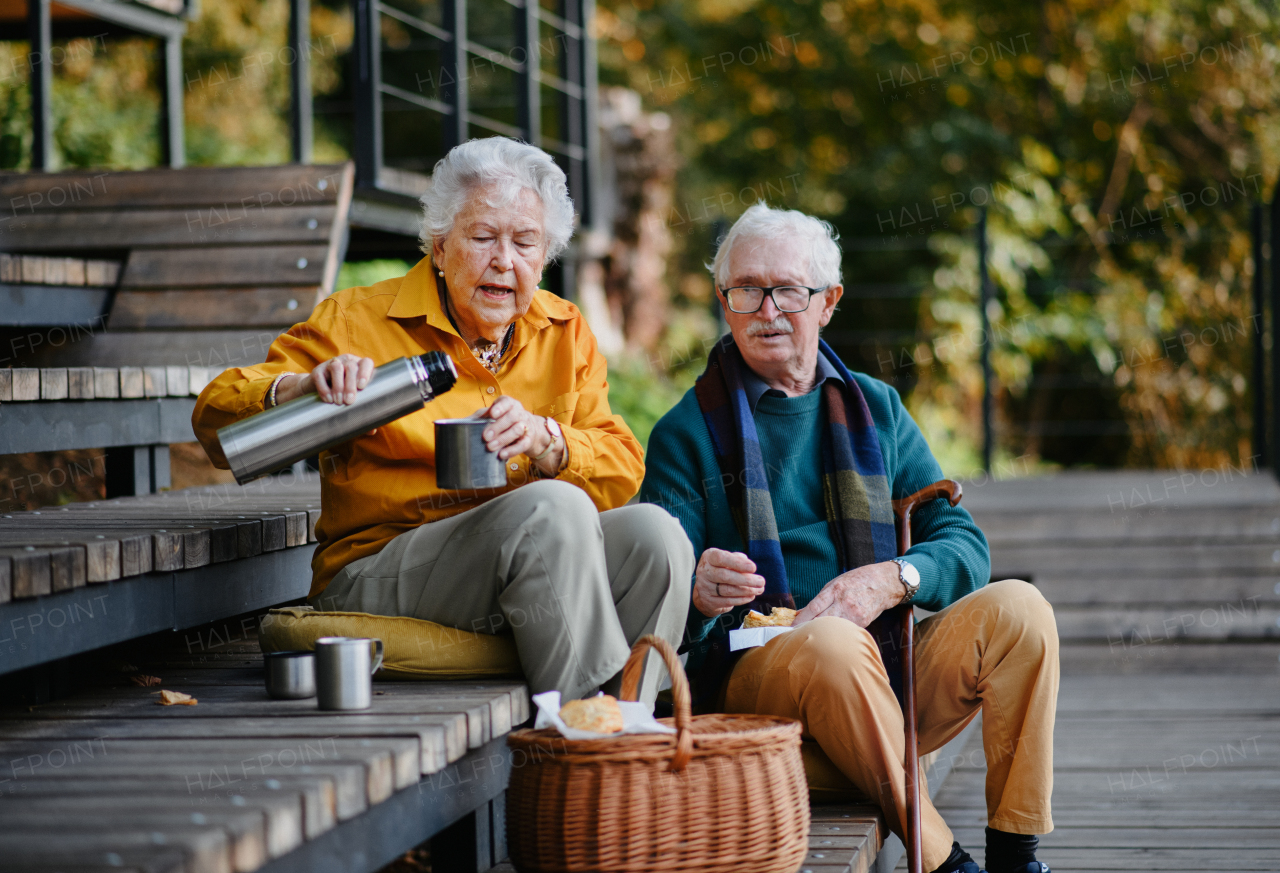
(1180, 566)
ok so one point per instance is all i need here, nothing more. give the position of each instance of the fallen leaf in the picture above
(144, 681)
(176, 698)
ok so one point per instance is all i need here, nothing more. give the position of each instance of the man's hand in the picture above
(859, 595)
(725, 580)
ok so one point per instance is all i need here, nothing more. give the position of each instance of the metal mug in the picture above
(344, 670)
(290, 675)
(462, 461)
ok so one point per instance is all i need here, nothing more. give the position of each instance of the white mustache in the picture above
(777, 325)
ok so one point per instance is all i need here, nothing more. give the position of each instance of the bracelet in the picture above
(275, 383)
(551, 445)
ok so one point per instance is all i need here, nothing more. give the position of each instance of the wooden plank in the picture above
(74, 269)
(80, 385)
(154, 382)
(166, 546)
(441, 737)
(186, 188)
(206, 850)
(30, 572)
(140, 228)
(55, 271)
(6, 385)
(103, 554)
(10, 269)
(198, 377)
(411, 699)
(245, 830)
(87, 855)
(281, 815)
(32, 269)
(206, 266)
(111, 553)
(202, 772)
(177, 381)
(101, 274)
(314, 794)
(53, 383)
(131, 382)
(214, 308)
(373, 767)
(106, 383)
(26, 383)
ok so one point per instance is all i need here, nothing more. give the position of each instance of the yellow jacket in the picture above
(374, 488)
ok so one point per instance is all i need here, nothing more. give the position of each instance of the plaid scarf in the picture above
(855, 490)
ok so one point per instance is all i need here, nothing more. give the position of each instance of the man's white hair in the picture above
(761, 222)
(511, 166)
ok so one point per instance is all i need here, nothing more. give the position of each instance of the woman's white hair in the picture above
(762, 222)
(510, 165)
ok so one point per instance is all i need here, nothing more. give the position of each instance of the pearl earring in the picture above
(441, 272)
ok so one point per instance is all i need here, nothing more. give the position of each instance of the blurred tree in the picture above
(1116, 146)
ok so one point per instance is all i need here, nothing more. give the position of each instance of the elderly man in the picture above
(781, 465)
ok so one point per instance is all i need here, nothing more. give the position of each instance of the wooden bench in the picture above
(238, 783)
(121, 294)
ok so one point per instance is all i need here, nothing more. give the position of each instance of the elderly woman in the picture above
(553, 558)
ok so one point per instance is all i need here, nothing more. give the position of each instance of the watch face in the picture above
(910, 573)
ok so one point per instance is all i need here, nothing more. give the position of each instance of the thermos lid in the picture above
(441, 372)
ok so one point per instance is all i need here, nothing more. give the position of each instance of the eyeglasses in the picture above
(745, 299)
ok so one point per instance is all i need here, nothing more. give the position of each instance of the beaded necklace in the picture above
(490, 354)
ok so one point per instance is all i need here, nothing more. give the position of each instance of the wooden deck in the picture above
(1151, 773)
(107, 778)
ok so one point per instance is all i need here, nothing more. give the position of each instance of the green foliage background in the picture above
(1116, 146)
(878, 116)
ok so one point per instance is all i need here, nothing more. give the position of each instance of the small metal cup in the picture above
(462, 461)
(344, 667)
(290, 675)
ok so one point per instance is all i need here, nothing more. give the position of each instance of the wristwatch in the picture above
(909, 576)
(553, 428)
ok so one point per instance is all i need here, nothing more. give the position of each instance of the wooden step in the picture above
(19, 384)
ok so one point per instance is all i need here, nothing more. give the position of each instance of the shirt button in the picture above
(489, 390)
(515, 466)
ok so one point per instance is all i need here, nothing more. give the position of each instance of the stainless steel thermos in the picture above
(278, 437)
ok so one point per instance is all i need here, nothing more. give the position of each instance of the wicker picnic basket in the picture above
(727, 793)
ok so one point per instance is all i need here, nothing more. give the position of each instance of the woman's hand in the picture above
(725, 580)
(517, 431)
(336, 381)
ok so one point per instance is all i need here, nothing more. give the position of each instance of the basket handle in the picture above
(679, 690)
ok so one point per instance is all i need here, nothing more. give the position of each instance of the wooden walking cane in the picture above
(902, 511)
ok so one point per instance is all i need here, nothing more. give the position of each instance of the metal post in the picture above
(455, 69)
(573, 120)
(984, 299)
(174, 139)
(529, 86)
(368, 97)
(590, 113)
(300, 80)
(1275, 316)
(1259, 352)
(40, 42)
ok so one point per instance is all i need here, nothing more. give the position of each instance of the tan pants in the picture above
(574, 586)
(995, 650)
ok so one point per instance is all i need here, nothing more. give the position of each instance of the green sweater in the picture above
(683, 477)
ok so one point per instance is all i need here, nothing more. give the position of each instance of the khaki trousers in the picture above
(995, 650)
(574, 586)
